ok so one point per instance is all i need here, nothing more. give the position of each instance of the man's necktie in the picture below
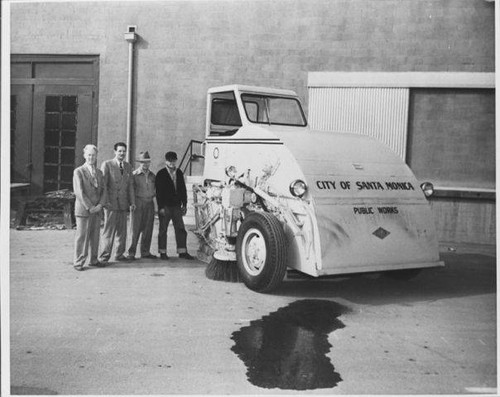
(94, 177)
(121, 167)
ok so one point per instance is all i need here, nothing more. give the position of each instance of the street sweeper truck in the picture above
(277, 195)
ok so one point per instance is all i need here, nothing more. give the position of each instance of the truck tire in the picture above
(261, 251)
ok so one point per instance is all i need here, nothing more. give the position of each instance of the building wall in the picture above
(189, 46)
(452, 144)
(452, 137)
(465, 220)
(186, 47)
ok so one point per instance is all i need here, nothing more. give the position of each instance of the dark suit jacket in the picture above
(119, 188)
(87, 195)
(166, 195)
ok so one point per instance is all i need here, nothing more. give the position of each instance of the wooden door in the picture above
(54, 112)
(62, 126)
(21, 99)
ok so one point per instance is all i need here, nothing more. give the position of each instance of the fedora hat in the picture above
(143, 157)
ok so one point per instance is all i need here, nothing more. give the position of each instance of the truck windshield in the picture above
(265, 109)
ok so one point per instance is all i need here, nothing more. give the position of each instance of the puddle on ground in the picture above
(287, 349)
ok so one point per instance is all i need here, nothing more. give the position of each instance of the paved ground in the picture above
(152, 327)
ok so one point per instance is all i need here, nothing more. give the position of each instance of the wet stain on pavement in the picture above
(287, 349)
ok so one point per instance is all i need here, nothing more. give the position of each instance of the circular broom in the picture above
(223, 271)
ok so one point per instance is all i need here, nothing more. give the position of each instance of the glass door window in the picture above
(61, 115)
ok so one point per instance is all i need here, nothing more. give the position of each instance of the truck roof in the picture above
(253, 89)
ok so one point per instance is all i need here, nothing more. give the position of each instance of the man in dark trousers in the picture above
(171, 198)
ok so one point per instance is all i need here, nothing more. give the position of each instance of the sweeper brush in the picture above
(223, 271)
(207, 214)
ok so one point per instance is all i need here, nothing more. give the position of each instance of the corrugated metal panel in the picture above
(381, 113)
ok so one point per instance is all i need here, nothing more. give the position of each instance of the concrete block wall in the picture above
(465, 221)
(451, 136)
(451, 143)
(185, 47)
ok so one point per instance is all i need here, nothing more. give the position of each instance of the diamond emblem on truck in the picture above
(381, 233)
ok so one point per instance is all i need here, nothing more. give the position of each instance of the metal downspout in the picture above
(131, 38)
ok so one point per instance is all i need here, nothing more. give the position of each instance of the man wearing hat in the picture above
(171, 197)
(144, 215)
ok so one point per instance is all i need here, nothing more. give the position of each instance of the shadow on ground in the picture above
(462, 275)
(27, 391)
(148, 264)
(173, 263)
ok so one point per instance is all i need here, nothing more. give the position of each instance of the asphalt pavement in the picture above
(154, 327)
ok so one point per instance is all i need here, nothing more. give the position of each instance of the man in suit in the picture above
(171, 198)
(90, 193)
(144, 215)
(120, 193)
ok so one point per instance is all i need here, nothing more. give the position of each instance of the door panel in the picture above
(20, 115)
(62, 126)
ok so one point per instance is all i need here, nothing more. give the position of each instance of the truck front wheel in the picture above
(261, 251)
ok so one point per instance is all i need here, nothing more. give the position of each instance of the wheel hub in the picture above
(254, 252)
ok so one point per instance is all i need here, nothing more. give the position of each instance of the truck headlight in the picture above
(427, 188)
(298, 188)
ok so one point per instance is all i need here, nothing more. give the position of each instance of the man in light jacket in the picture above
(90, 194)
(120, 193)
